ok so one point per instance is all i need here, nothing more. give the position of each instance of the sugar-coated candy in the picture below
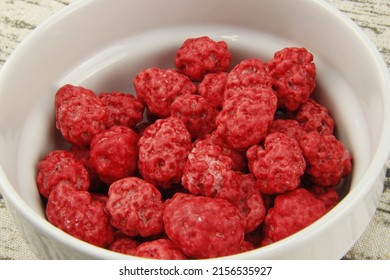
(80, 115)
(293, 73)
(203, 227)
(114, 153)
(200, 56)
(123, 109)
(60, 167)
(76, 213)
(209, 173)
(328, 161)
(246, 117)
(291, 212)
(162, 249)
(278, 166)
(158, 88)
(197, 114)
(135, 207)
(163, 150)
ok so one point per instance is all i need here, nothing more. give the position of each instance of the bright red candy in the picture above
(123, 109)
(82, 153)
(313, 116)
(203, 227)
(245, 119)
(278, 166)
(208, 172)
(293, 72)
(197, 114)
(135, 207)
(158, 88)
(76, 213)
(163, 249)
(238, 157)
(124, 244)
(328, 196)
(199, 56)
(250, 202)
(212, 88)
(68, 92)
(163, 150)
(114, 153)
(249, 73)
(80, 115)
(328, 161)
(292, 211)
(289, 127)
(60, 168)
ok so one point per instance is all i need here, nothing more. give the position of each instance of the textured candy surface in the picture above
(114, 153)
(293, 73)
(278, 166)
(328, 161)
(202, 55)
(80, 115)
(77, 214)
(123, 109)
(124, 244)
(313, 116)
(212, 88)
(58, 168)
(163, 249)
(208, 172)
(245, 119)
(292, 211)
(135, 207)
(249, 73)
(250, 202)
(158, 88)
(203, 227)
(163, 151)
(289, 127)
(197, 114)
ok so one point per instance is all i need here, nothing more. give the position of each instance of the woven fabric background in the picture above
(18, 18)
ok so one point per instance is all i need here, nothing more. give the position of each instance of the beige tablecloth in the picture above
(18, 18)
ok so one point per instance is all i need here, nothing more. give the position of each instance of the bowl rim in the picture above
(344, 207)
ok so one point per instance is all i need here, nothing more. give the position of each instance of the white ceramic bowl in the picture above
(102, 44)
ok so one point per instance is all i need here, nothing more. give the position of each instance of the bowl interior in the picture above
(106, 54)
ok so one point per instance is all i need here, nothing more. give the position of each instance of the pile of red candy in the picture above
(226, 161)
